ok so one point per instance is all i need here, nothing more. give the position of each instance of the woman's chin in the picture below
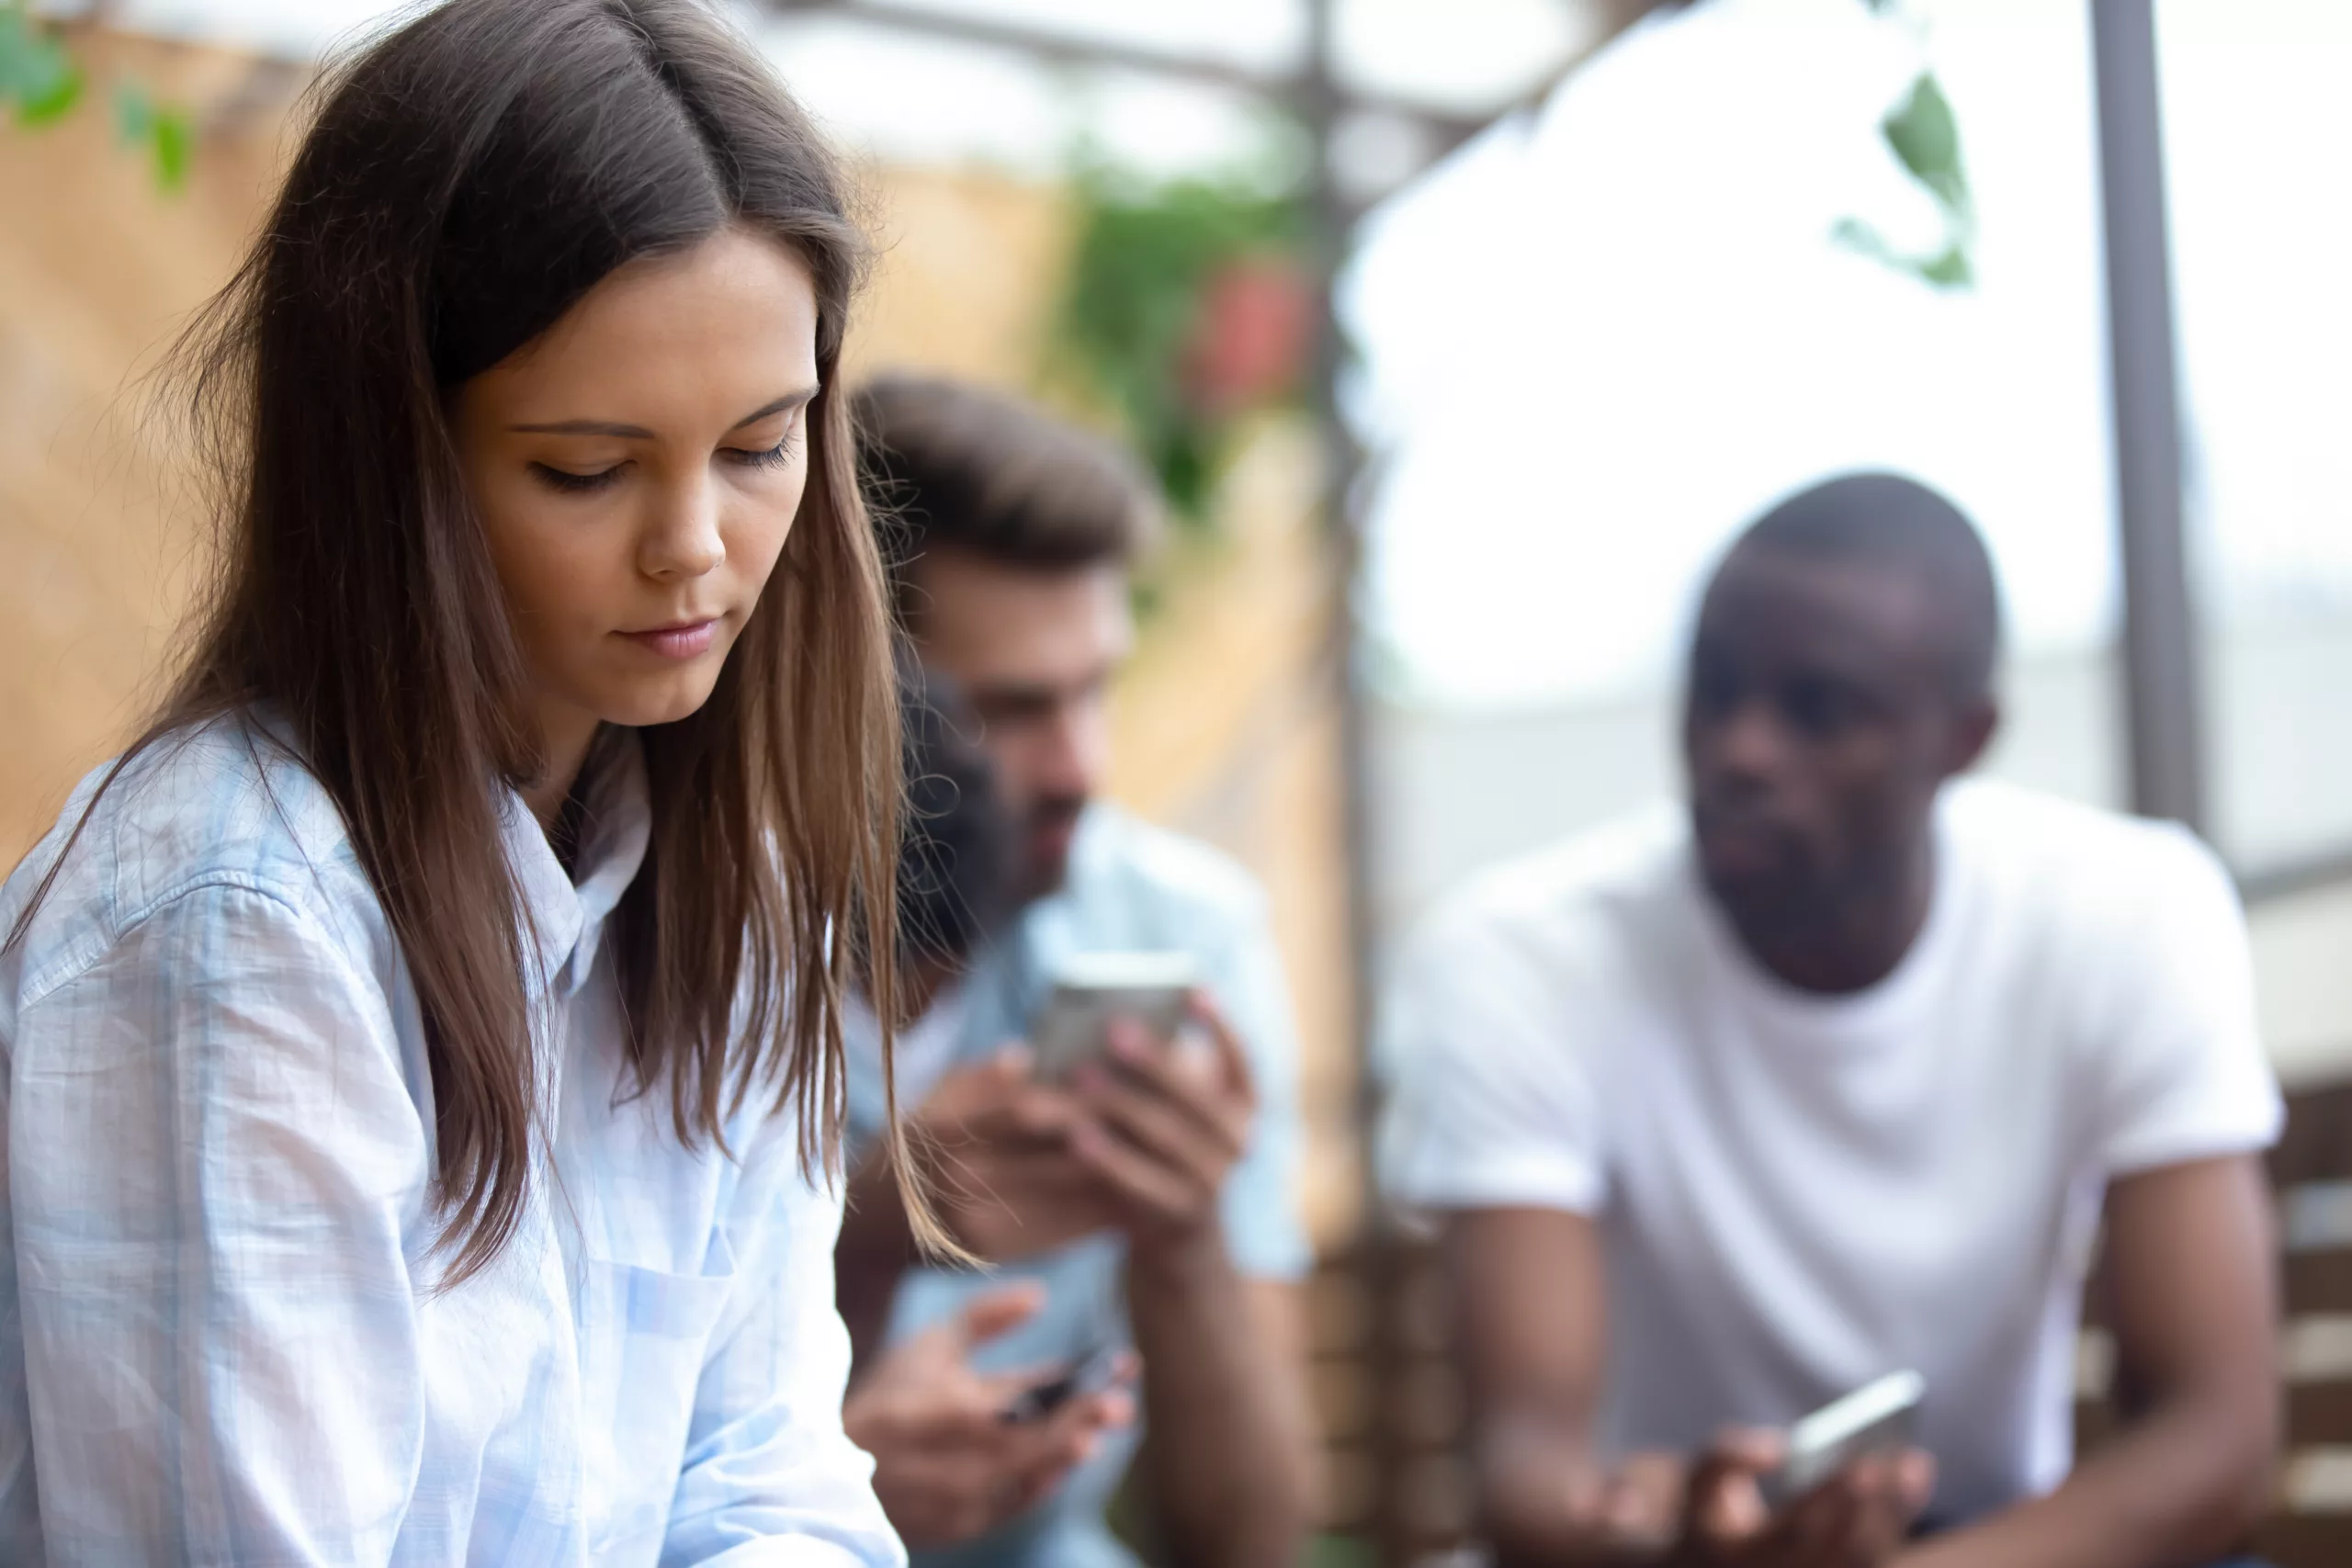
(663, 701)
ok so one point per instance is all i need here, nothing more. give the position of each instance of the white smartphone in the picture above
(1092, 988)
(1878, 1417)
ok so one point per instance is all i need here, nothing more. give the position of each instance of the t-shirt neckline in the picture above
(1844, 1014)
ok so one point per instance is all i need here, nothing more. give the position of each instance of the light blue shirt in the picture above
(219, 1341)
(1131, 887)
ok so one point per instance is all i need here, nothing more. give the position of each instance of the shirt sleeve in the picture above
(1260, 1205)
(2183, 1075)
(1488, 1100)
(211, 1153)
(770, 1477)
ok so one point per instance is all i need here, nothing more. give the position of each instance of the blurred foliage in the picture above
(38, 77)
(1924, 135)
(42, 83)
(167, 132)
(1145, 270)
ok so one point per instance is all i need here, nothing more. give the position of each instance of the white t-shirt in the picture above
(1798, 1194)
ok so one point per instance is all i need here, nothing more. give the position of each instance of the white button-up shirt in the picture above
(220, 1339)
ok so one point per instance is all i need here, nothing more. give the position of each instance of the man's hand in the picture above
(1634, 1515)
(947, 1465)
(998, 1143)
(1858, 1519)
(1163, 1126)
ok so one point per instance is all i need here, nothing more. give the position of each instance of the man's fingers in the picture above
(1233, 1062)
(1821, 1526)
(1758, 1450)
(1085, 1419)
(1221, 1115)
(1889, 1490)
(1585, 1494)
(1861, 1515)
(1724, 1504)
(1136, 1177)
(1914, 1480)
(1645, 1499)
(1630, 1515)
(1034, 1112)
(994, 1314)
(1038, 1457)
(1183, 1143)
(998, 1099)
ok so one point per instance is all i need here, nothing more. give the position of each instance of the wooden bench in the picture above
(1392, 1410)
(2311, 1170)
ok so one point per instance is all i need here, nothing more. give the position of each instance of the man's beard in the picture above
(1051, 821)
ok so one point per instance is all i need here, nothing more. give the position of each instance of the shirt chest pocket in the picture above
(642, 1367)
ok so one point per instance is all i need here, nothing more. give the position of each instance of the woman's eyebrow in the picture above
(639, 432)
(789, 400)
(586, 427)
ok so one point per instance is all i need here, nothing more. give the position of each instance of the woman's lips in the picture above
(687, 639)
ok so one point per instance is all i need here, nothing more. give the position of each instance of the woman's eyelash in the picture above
(565, 480)
(769, 457)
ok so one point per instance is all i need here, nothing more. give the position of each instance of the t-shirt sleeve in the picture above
(1489, 1103)
(2182, 1072)
(1260, 1205)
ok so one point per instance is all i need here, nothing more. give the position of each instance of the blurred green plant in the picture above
(166, 130)
(41, 82)
(38, 77)
(1186, 307)
(1926, 138)
(1924, 135)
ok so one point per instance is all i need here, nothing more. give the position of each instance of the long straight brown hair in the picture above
(464, 180)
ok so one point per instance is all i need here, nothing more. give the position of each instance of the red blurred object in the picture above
(1250, 340)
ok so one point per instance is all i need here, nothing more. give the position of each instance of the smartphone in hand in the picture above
(1878, 1417)
(1091, 1373)
(1092, 988)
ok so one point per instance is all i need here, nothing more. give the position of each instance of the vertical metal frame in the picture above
(2163, 709)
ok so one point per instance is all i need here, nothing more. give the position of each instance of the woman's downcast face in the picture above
(637, 468)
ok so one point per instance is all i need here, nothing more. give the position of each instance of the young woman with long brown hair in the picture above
(423, 1048)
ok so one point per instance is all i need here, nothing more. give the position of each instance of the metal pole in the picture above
(2163, 713)
(1334, 216)
(1320, 105)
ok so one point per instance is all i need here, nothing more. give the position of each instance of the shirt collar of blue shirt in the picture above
(566, 916)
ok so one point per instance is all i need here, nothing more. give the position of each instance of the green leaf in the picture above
(1950, 270)
(35, 70)
(1857, 235)
(1925, 136)
(172, 134)
(134, 114)
(48, 104)
(18, 47)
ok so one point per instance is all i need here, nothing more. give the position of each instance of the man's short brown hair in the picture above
(948, 465)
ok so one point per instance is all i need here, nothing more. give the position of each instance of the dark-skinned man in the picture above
(1839, 1071)
(1143, 1208)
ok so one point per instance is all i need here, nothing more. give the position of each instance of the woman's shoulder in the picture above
(224, 804)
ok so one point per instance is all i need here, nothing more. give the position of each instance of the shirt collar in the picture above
(567, 917)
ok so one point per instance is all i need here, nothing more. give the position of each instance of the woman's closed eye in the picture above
(572, 483)
(773, 456)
